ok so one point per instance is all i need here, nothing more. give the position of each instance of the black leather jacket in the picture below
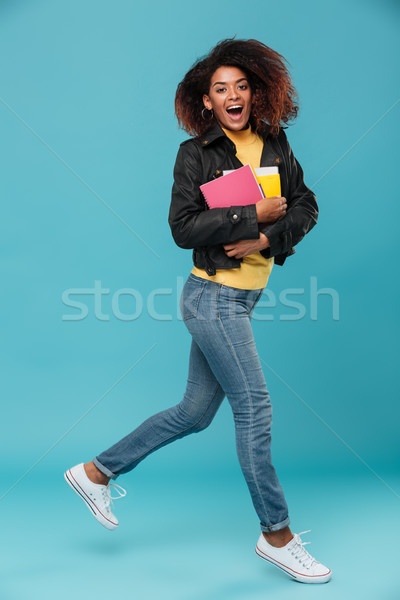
(195, 226)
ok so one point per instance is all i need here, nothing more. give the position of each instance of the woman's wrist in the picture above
(264, 241)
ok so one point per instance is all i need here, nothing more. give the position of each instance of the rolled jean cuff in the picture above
(104, 469)
(275, 527)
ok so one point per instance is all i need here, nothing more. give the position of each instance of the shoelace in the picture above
(108, 499)
(298, 551)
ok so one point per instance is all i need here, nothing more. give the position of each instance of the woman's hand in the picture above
(271, 209)
(245, 247)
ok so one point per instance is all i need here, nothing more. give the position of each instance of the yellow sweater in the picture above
(254, 269)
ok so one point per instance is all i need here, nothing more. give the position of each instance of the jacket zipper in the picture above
(284, 164)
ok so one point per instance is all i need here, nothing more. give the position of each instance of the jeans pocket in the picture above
(190, 298)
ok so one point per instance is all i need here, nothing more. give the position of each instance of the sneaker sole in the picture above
(69, 478)
(293, 574)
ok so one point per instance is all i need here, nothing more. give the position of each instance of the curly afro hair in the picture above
(274, 96)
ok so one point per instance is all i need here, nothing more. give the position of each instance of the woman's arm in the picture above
(193, 226)
(242, 248)
(302, 210)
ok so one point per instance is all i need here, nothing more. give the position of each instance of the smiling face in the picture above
(230, 98)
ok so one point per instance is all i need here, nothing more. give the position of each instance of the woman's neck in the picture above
(242, 137)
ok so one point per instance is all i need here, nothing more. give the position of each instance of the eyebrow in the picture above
(224, 82)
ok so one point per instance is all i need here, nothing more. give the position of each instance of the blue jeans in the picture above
(223, 361)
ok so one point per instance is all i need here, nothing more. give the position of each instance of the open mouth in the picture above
(235, 112)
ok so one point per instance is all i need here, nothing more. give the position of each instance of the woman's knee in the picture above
(252, 411)
(198, 415)
(203, 422)
(191, 417)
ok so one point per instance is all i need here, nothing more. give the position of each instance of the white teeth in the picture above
(236, 106)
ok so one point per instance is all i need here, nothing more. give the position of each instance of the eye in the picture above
(243, 86)
(218, 90)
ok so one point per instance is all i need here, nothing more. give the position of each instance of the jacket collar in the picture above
(216, 132)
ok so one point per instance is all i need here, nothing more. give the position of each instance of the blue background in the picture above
(88, 144)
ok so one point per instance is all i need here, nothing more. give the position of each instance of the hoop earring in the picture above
(210, 117)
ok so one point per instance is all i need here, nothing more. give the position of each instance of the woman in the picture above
(232, 103)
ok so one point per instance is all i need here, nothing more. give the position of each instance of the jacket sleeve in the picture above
(301, 214)
(192, 225)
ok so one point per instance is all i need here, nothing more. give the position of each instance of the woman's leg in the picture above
(202, 398)
(219, 320)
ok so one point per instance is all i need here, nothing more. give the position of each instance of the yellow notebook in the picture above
(268, 178)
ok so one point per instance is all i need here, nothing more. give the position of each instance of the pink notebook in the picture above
(238, 188)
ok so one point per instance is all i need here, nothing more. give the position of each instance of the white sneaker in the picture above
(96, 497)
(294, 560)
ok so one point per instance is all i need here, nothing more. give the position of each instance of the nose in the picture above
(233, 93)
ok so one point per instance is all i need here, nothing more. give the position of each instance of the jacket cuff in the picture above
(266, 253)
(275, 244)
(246, 219)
